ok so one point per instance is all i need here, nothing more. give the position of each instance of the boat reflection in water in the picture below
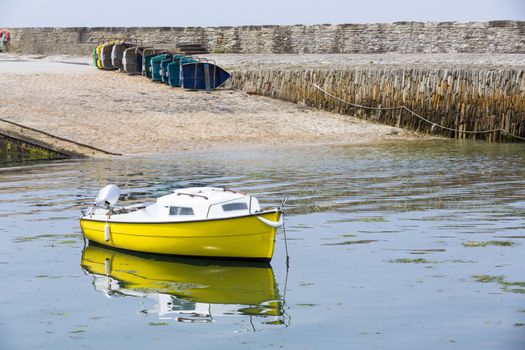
(187, 290)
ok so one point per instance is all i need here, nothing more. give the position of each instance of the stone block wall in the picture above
(400, 37)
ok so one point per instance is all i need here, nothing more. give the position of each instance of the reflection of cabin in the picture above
(187, 290)
(170, 307)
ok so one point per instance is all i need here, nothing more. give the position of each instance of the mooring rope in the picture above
(403, 107)
(281, 208)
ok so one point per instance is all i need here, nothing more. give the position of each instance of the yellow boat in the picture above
(99, 54)
(199, 221)
(186, 289)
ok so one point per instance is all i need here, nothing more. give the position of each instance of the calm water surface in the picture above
(399, 246)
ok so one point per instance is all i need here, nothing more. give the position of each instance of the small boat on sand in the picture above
(202, 76)
(156, 65)
(132, 60)
(97, 52)
(105, 56)
(199, 221)
(174, 69)
(164, 75)
(117, 53)
(147, 55)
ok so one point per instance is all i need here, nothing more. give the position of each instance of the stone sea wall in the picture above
(461, 99)
(399, 37)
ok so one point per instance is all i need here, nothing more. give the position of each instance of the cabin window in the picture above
(181, 211)
(234, 206)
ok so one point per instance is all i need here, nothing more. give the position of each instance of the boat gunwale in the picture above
(276, 210)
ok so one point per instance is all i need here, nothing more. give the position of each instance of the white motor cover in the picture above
(107, 196)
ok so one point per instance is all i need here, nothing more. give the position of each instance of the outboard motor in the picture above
(107, 196)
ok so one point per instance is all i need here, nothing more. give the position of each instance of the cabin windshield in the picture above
(234, 206)
(181, 211)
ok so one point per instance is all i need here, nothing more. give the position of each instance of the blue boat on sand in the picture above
(202, 76)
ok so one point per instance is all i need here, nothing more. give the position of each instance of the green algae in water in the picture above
(513, 284)
(505, 285)
(155, 324)
(306, 284)
(47, 236)
(48, 276)
(371, 219)
(487, 278)
(427, 251)
(514, 290)
(461, 261)
(306, 305)
(487, 243)
(68, 242)
(412, 261)
(361, 241)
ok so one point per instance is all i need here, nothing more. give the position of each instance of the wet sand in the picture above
(132, 115)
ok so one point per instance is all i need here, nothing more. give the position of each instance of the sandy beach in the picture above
(132, 115)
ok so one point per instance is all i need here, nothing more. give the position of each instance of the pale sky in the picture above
(175, 13)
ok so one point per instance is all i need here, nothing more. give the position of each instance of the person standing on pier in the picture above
(4, 40)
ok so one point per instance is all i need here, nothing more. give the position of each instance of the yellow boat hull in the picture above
(243, 237)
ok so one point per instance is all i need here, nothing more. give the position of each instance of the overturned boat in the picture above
(202, 75)
(117, 53)
(173, 68)
(199, 221)
(147, 55)
(132, 60)
(105, 56)
(156, 74)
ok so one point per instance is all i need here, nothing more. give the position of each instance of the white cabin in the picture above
(188, 204)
